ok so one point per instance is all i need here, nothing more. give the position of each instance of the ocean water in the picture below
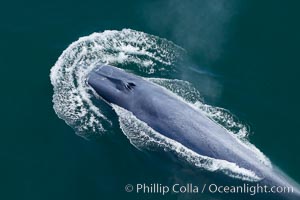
(236, 61)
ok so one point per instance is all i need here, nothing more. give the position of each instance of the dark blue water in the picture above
(244, 57)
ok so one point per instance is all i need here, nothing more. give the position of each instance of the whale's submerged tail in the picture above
(280, 184)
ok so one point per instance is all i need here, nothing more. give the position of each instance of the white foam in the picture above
(186, 92)
(144, 137)
(72, 97)
(74, 101)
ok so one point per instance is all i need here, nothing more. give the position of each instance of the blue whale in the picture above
(172, 117)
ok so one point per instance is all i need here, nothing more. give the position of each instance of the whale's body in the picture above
(168, 115)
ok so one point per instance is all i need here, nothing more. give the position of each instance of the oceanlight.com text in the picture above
(190, 188)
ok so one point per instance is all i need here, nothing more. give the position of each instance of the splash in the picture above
(73, 100)
(186, 92)
(145, 55)
(144, 137)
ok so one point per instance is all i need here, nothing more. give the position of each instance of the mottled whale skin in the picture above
(177, 120)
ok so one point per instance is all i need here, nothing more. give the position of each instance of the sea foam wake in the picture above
(148, 56)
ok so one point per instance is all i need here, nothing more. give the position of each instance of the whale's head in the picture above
(112, 84)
